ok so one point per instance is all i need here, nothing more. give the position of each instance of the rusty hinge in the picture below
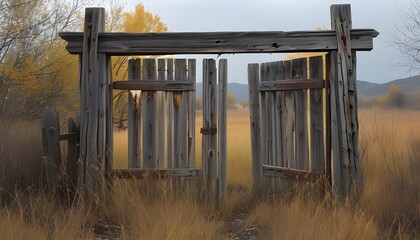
(208, 131)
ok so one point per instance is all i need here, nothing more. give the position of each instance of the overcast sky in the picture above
(379, 65)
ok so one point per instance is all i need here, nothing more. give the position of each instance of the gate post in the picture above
(95, 110)
(209, 129)
(254, 109)
(346, 169)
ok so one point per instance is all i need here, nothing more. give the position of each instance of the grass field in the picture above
(388, 208)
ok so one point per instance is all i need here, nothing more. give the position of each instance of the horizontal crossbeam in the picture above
(288, 173)
(151, 85)
(291, 84)
(187, 173)
(219, 42)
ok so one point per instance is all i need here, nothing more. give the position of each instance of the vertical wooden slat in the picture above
(289, 136)
(73, 126)
(161, 127)
(180, 122)
(316, 117)
(301, 138)
(266, 116)
(170, 116)
(109, 140)
(265, 131)
(210, 122)
(222, 86)
(133, 116)
(344, 112)
(51, 146)
(275, 72)
(266, 104)
(254, 109)
(191, 114)
(328, 117)
(93, 106)
(149, 116)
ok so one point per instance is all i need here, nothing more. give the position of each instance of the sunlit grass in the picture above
(388, 208)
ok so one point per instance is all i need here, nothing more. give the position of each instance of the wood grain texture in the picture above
(210, 121)
(254, 109)
(51, 147)
(299, 71)
(192, 74)
(219, 42)
(344, 116)
(289, 100)
(161, 123)
(180, 116)
(170, 116)
(73, 126)
(292, 84)
(149, 127)
(155, 85)
(187, 173)
(222, 117)
(93, 92)
(316, 117)
(294, 174)
(133, 116)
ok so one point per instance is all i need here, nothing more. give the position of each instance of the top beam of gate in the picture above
(118, 44)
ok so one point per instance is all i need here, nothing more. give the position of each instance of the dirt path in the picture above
(237, 229)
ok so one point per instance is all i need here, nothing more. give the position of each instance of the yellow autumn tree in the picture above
(31, 53)
(141, 21)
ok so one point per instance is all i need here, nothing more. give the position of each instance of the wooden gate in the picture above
(161, 120)
(289, 121)
(96, 47)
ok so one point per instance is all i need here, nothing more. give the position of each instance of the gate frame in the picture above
(95, 48)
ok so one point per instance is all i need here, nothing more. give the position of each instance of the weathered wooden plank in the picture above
(149, 127)
(265, 118)
(328, 107)
(254, 109)
(73, 127)
(276, 72)
(299, 71)
(180, 117)
(51, 146)
(187, 173)
(292, 84)
(155, 85)
(191, 114)
(93, 107)
(109, 126)
(161, 104)
(219, 42)
(133, 116)
(68, 136)
(170, 116)
(289, 100)
(335, 127)
(271, 72)
(316, 117)
(222, 94)
(288, 173)
(210, 122)
(345, 114)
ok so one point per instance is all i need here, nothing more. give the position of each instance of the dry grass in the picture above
(388, 207)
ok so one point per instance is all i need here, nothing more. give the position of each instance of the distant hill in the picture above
(364, 88)
(407, 85)
(240, 90)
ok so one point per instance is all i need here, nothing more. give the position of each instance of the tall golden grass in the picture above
(388, 207)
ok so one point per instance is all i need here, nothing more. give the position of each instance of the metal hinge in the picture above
(208, 131)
